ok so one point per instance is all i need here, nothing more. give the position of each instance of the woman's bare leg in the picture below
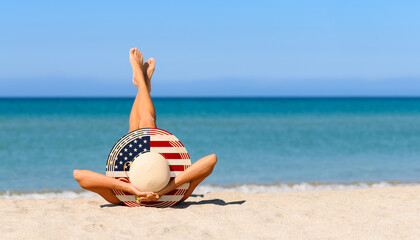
(134, 121)
(144, 108)
(148, 70)
(206, 167)
(102, 185)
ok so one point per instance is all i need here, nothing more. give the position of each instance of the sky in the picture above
(211, 48)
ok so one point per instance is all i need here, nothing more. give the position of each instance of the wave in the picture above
(45, 194)
(279, 187)
(276, 187)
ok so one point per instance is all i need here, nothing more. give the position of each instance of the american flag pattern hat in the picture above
(141, 141)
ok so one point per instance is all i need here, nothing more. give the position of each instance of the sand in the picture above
(382, 213)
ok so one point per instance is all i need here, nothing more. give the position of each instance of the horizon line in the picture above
(207, 97)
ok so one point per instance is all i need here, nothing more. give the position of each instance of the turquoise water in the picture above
(263, 141)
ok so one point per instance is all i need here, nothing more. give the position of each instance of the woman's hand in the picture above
(150, 197)
(144, 196)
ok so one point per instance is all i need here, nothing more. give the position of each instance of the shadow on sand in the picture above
(218, 202)
(111, 205)
(186, 204)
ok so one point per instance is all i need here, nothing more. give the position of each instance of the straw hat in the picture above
(149, 172)
(148, 158)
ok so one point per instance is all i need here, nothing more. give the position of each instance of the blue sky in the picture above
(211, 48)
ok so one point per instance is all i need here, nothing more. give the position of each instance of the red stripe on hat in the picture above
(177, 167)
(161, 144)
(176, 143)
(155, 131)
(119, 192)
(131, 204)
(172, 155)
(175, 192)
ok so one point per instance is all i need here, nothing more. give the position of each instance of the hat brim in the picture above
(148, 140)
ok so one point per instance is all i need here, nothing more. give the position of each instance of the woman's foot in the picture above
(136, 60)
(148, 69)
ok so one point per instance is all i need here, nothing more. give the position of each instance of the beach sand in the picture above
(382, 213)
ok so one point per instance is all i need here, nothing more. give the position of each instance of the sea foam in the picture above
(202, 189)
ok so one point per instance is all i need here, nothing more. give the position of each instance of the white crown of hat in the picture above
(149, 172)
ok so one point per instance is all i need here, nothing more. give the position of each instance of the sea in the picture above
(262, 144)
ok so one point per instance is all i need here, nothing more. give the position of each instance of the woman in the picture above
(143, 115)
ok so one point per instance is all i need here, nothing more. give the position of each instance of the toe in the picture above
(151, 62)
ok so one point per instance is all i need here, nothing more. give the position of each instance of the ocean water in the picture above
(263, 144)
